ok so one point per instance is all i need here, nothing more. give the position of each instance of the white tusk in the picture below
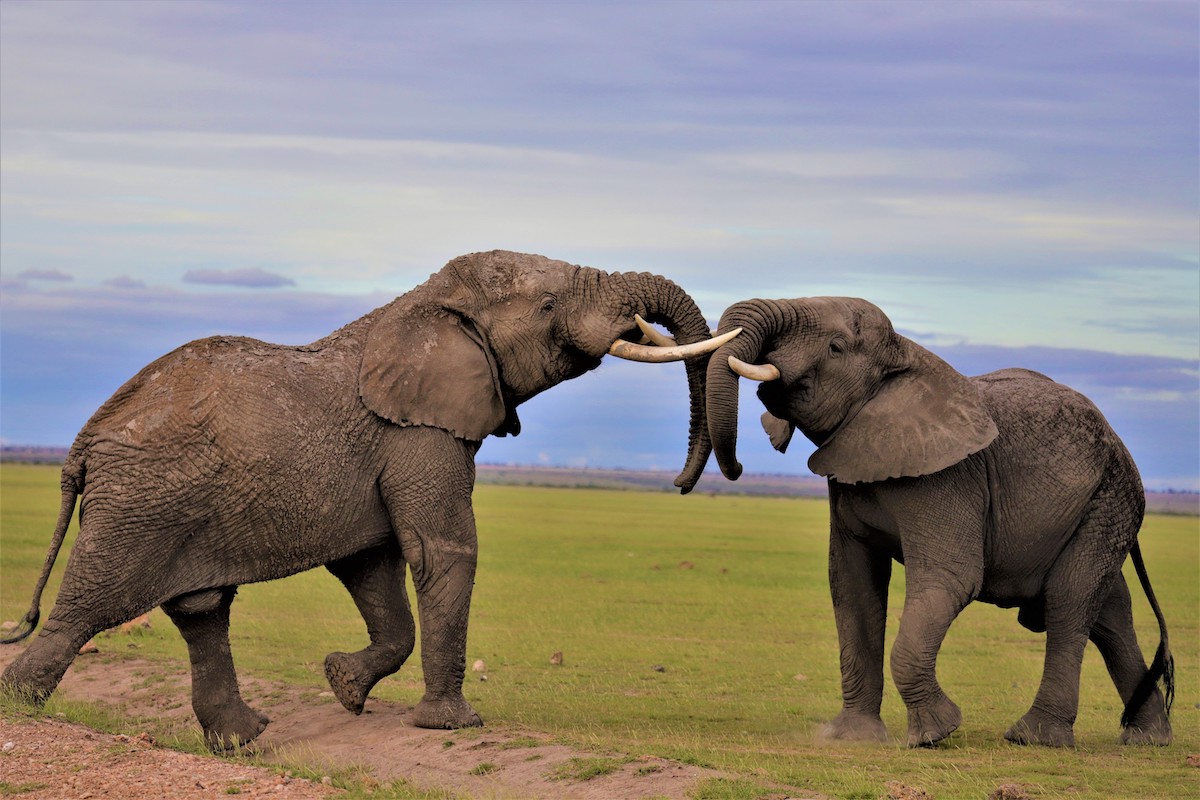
(755, 372)
(653, 334)
(658, 355)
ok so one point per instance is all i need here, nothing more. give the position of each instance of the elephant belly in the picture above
(206, 525)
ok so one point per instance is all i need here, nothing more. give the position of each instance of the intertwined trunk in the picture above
(760, 320)
(660, 301)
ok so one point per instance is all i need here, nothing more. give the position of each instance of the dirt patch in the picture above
(309, 727)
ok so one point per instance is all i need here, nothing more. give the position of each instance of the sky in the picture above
(1014, 183)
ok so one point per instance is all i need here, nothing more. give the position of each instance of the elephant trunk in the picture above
(662, 301)
(760, 321)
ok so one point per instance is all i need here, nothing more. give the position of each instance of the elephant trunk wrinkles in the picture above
(760, 320)
(662, 301)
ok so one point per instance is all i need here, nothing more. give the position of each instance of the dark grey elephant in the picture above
(231, 460)
(1006, 488)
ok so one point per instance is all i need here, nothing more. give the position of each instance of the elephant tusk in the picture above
(653, 334)
(658, 355)
(755, 372)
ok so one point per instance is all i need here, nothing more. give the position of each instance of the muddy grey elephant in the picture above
(1007, 488)
(231, 460)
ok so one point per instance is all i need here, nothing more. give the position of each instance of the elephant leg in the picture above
(433, 518)
(858, 581)
(929, 609)
(1116, 639)
(203, 620)
(375, 579)
(91, 599)
(35, 674)
(1078, 587)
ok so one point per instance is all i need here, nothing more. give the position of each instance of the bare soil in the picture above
(50, 758)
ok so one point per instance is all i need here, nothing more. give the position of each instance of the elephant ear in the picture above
(779, 431)
(925, 417)
(433, 366)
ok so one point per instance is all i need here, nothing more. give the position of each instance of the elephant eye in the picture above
(837, 346)
(549, 303)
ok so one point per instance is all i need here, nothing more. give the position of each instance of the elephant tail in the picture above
(1163, 666)
(71, 487)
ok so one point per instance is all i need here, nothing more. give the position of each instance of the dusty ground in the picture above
(49, 758)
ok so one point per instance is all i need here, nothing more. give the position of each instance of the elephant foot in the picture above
(855, 727)
(930, 723)
(1157, 734)
(446, 713)
(229, 727)
(346, 681)
(1037, 727)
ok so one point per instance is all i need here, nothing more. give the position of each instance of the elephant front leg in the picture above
(203, 620)
(429, 500)
(375, 579)
(932, 716)
(444, 602)
(858, 580)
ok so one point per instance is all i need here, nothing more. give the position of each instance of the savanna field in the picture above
(700, 629)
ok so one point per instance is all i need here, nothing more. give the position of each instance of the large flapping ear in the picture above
(925, 417)
(779, 431)
(429, 365)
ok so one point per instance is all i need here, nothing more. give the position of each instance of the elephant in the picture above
(231, 460)
(1007, 488)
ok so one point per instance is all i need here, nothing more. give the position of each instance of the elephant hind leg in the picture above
(1116, 639)
(92, 598)
(36, 673)
(375, 579)
(1078, 589)
(203, 620)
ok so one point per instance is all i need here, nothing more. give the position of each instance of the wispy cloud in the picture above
(51, 275)
(249, 277)
(1002, 174)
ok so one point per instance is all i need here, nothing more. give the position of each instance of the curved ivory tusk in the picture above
(653, 334)
(755, 372)
(658, 355)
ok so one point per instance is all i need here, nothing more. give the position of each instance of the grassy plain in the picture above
(700, 628)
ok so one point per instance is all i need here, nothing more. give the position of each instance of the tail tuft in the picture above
(26, 626)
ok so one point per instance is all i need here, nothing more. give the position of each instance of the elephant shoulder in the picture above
(1009, 376)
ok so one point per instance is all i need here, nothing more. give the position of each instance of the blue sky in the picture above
(1014, 183)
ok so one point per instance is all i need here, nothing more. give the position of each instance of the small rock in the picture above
(557, 659)
(483, 678)
(900, 791)
(8, 747)
(90, 647)
(1010, 791)
(326, 694)
(801, 676)
(326, 780)
(479, 666)
(1193, 760)
(142, 621)
(686, 565)
(659, 668)
(7, 625)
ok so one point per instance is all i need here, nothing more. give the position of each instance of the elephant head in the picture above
(876, 404)
(491, 330)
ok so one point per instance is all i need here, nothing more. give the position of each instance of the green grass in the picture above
(729, 597)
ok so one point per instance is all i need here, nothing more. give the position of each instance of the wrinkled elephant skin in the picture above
(1006, 488)
(231, 460)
